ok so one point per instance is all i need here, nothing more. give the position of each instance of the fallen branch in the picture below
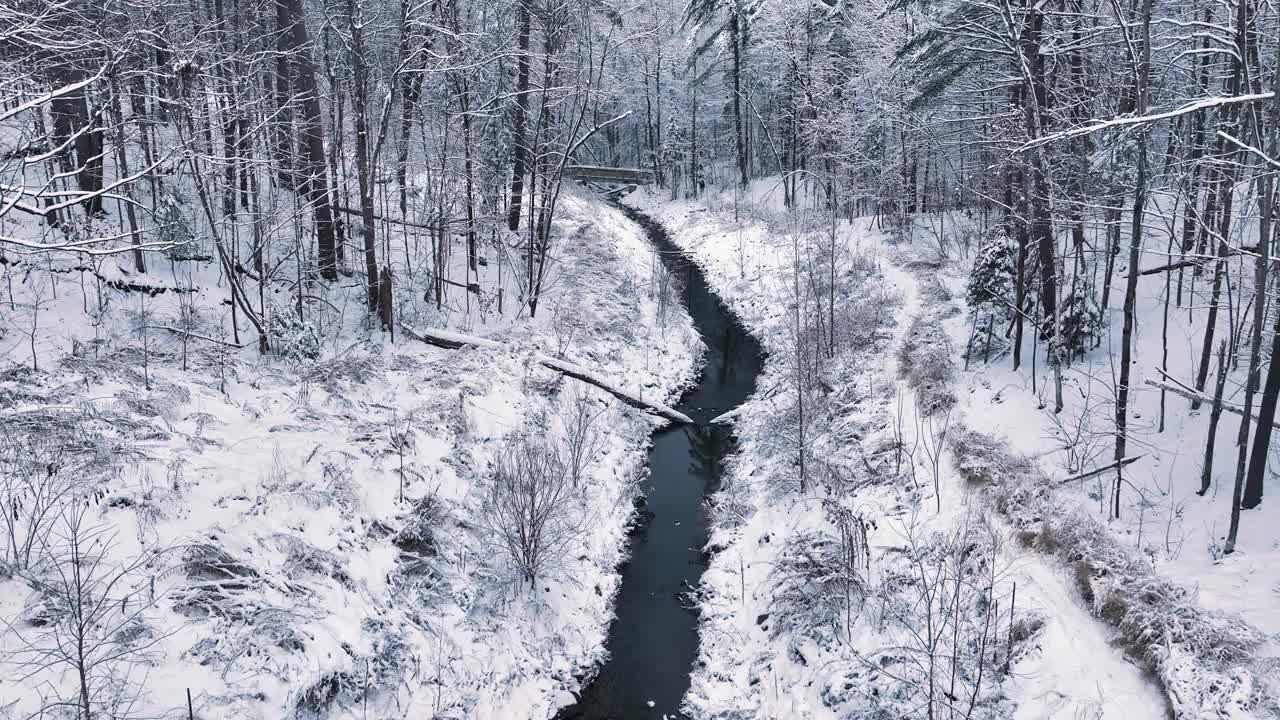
(726, 417)
(196, 336)
(1098, 471)
(1193, 396)
(393, 221)
(473, 288)
(453, 341)
(1199, 260)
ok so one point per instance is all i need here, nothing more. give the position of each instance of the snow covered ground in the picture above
(1166, 546)
(892, 416)
(308, 537)
(1163, 516)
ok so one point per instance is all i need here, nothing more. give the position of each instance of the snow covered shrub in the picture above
(864, 311)
(17, 387)
(565, 323)
(314, 701)
(163, 400)
(349, 368)
(991, 280)
(209, 561)
(1079, 325)
(989, 292)
(818, 583)
(531, 506)
(174, 225)
(936, 295)
(364, 676)
(1082, 447)
(925, 359)
(966, 233)
(36, 481)
(292, 337)
(123, 365)
(1079, 571)
(459, 418)
(982, 459)
(218, 583)
(416, 539)
(86, 621)
(1025, 627)
(302, 558)
(939, 601)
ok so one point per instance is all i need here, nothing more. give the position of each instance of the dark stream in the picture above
(653, 640)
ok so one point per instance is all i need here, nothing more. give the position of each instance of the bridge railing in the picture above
(634, 176)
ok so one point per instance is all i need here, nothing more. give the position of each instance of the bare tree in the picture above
(36, 483)
(87, 617)
(530, 505)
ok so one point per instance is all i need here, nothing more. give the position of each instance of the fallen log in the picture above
(1193, 396)
(1098, 471)
(453, 341)
(1171, 266)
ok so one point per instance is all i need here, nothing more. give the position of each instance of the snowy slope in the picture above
(310, 533)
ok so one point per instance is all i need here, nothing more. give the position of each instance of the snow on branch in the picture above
(50, 96)
(1196, 106)
(77, 197)
(1201, 397)
(1249, 149)
(82, 247)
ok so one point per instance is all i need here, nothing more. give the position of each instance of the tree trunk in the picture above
(72, 122)
(410, 93)
(519, 140)
(1020, 279)
(1141, 73)
(364, 169)
(1215, 414)
(1252, 495)
(122, 161)
(736, 40)
(314, 184)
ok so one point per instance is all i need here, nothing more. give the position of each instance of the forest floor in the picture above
(313, 530)
(929, 456)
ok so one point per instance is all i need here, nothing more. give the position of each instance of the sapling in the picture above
(96, 629)
(581, 438)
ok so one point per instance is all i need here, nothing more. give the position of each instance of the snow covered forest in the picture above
(354, 355)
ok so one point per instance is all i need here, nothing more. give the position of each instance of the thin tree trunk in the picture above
(364, 170)
(520, 120)
(1141, 71)
(736, 40)
(1215, 414)
(122, 160)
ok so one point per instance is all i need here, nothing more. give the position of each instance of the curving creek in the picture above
(653, 639)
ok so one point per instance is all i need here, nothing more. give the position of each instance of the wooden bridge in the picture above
(609, 175)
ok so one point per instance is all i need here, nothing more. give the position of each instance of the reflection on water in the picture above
(709, 445)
